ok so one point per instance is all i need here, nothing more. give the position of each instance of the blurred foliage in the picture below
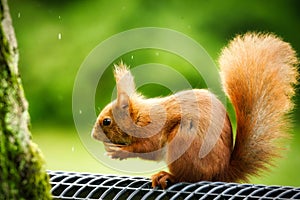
(55, 37)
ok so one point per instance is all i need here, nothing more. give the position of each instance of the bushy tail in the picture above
(258, 73)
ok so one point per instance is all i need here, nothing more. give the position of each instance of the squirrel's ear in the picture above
(125, 84)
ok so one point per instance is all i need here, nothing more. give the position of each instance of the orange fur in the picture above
(258, 73)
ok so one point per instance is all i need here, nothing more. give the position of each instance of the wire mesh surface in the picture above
(71, 185)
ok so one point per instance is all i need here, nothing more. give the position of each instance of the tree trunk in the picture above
(22, 169)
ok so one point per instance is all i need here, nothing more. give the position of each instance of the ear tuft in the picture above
(120, 70)
(125, 84)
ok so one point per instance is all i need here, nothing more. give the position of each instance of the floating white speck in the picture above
(73, 148)
(19, 15)
(59, 17)
(59, 36)
(157, 53)
(80, 111)
(131, 57)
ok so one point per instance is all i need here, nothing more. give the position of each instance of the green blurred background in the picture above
(54, 38)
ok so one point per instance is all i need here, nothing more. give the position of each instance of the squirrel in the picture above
(258, 73)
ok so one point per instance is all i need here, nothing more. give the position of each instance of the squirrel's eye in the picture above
(106, 122)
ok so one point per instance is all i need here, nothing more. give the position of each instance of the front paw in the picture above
(162, 179)
(116, 151)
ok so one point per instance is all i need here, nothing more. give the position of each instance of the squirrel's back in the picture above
(258, 72)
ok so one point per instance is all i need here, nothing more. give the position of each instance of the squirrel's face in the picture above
(106, 128)
(116, 114)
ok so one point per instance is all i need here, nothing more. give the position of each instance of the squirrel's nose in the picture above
(98, 134)
(95, 134)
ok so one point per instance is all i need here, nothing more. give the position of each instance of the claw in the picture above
(116, 151)
(162, 179)
(114, 148)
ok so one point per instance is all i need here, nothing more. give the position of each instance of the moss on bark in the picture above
(22, 169)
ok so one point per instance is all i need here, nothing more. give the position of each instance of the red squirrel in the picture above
(258, 73)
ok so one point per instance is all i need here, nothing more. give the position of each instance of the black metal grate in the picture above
(69, 185)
